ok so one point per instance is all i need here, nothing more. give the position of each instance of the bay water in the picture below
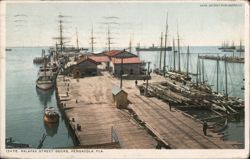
(25, 103)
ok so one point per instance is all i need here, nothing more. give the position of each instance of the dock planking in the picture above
(178, 130)
(96, 114)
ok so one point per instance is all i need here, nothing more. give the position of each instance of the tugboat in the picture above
(51, 115)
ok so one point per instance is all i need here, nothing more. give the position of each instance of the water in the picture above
(235, 75)
(25, 103)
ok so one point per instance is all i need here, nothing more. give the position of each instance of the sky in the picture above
(199, 24)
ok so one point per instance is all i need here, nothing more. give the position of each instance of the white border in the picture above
(131, 153)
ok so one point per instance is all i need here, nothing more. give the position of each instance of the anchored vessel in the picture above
(51, 115)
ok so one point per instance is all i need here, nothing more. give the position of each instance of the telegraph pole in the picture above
(121, 72)
(161, 49)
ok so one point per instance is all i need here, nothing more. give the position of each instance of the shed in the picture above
(84, 67)
(120, 97)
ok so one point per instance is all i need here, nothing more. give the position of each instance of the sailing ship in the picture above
(227, 48)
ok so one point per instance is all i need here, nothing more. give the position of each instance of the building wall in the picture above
(130, 69)
(86, 68)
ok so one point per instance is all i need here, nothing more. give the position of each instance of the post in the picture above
(121, 72)
(147, 78)
(161, 49)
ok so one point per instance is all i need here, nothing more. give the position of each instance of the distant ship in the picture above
(226, 48)
(154, 48)
(8, 49)
(241, 49)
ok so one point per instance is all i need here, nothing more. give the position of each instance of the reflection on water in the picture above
(51, 128)
(44, 95)
(25, 103)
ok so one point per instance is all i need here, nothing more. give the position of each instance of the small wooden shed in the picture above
(120, 97)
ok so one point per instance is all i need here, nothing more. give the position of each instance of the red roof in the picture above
(131, 60)
(100, 58)
(113, 52)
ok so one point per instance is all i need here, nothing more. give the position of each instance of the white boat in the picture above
(53, 67)
(45, 71)
(51, 115)
(45, 82)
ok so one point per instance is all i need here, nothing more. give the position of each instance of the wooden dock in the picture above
(175, 128)
(89, 105)
(100, 121)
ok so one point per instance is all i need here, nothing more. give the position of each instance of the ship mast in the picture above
(174, 53)
(161, 49)
(197, 77)
(61, 37)
(240, 48)
(217, 79)
(165, 48)
(203, 71)
(92, 39)
(109, 38)
(130, 45)
(179, 56)
(226, 77)
(138, 52)
(187, 61)
(77, 44)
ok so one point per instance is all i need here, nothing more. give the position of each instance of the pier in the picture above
(147, 123)
(89, 106)
(224, 58)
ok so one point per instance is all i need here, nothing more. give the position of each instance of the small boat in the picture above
(10, 143)
(45, 82)
(51, 115)
(220, 125)
(8, 49)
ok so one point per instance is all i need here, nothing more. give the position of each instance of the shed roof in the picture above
(130, 60)
(113, 52)
(116, 90)
(85, 58)
(100, 58)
